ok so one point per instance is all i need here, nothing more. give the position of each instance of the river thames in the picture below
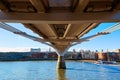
(46, 70)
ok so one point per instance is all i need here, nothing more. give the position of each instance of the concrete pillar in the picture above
(61, 62)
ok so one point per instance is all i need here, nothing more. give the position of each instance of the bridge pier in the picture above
(61, 62)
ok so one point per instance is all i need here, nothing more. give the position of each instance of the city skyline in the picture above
(11, 42)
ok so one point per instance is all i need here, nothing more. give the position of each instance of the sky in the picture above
(10, 42)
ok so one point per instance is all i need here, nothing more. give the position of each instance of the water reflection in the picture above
(46, 70)
(61, 73)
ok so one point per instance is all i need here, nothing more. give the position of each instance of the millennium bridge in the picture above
(60, 23)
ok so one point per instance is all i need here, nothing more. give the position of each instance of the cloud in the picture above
(18, 49)
(23, 49)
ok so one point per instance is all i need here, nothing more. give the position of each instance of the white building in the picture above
(35, 50)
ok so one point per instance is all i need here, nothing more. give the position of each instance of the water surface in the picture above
(46, 70)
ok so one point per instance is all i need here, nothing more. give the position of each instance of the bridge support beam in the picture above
(61, 62)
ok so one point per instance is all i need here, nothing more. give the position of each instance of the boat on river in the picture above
(106, 62)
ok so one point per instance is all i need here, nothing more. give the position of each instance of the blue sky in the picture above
(105, 42)
(13, 42)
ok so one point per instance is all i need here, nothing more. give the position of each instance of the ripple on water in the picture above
(46, 70)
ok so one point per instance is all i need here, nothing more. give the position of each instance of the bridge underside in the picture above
(60, 22)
